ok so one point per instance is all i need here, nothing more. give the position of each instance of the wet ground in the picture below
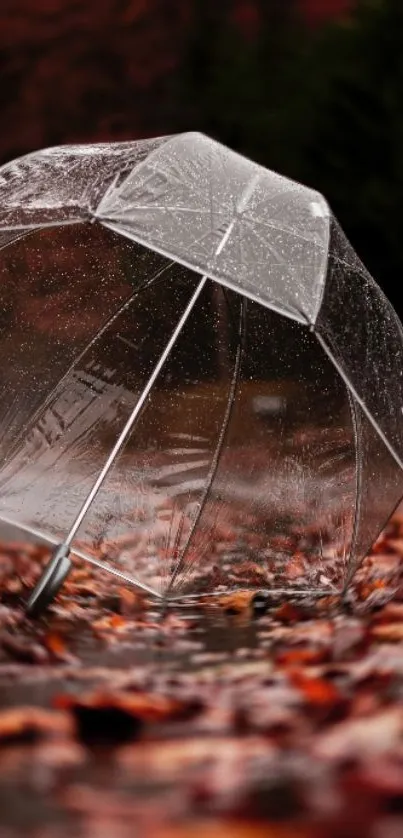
(117, 720)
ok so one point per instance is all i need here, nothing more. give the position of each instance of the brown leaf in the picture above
(302, 657)
(120, 717)
(253, 572)
(388, 632)
(131, 602)
(288, 613)
(365, 590)
(296, 566)
(56, 645)
(391, 613)
(26, 650)
(27, 724)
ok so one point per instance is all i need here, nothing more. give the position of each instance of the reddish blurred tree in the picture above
(102, 69)
(317, 11)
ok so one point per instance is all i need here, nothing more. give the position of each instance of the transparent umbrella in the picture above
(201, 384)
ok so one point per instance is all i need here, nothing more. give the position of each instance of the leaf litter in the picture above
(214, 719)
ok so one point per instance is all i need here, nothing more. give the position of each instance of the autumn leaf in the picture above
(118, 717)
(388, 632)
(28, 724)
(56, 645)
(316, 691)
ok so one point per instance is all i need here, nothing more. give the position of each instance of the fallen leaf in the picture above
(27, 724)
(131, 602)
(388, 632)
(26, 650)
(120, 717)
(110, 622)
(287, 613)
(316, 691)
(391, 613)
(56, 645)
(301, 657)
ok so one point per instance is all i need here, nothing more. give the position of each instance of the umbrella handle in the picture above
(51, 581)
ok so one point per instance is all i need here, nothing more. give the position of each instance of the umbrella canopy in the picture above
(201, 383)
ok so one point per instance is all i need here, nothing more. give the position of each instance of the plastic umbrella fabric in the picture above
(199, 376)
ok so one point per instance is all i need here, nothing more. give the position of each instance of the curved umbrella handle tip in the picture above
(51, 581)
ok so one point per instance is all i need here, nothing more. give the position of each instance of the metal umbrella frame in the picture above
(273, 241)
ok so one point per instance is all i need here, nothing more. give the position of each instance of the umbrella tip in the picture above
(49, 584)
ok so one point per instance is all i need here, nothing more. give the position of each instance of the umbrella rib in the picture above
(217, 454)
(134, 414)
(272, 592)
(36, 532)
(60, 564)
(359, 400)
(48, 400)
(81, 554)
(108, 568)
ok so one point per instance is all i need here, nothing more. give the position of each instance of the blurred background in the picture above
(311, 88)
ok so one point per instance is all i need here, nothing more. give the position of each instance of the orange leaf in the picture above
(287, 613)
(23, 724)
(110, 621)
(145, 706)
(316, 691)
(301, 657)
(388, 632)
(56, 645)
